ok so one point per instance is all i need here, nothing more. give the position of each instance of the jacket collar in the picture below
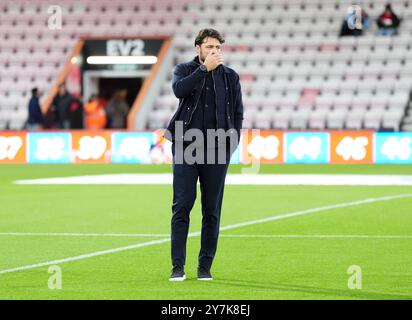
(195, 62)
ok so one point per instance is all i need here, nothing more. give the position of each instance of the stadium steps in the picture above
(31, 55)
(363, 83)
(406, 124)
(267, 28)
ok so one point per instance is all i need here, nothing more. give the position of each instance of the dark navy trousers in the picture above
(212, 181)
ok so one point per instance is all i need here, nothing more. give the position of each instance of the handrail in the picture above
(131, 118)
(147, 83)
(62, 76)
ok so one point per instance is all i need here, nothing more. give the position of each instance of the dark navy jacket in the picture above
(189, 82)
(206, 114)
(35, 115)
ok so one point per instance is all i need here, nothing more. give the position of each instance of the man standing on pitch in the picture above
(210, 101)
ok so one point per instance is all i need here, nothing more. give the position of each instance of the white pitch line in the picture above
(318, 236)
(233, 226)
(299, 213)
(71, 234)
(86, 256)
(232, 179)
(147, 235)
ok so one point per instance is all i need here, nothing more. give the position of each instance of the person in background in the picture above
(347, 28)
(35, 120)
(61, 106)
(95, 113)
(388, 22)
(76, 112)
(117, 110)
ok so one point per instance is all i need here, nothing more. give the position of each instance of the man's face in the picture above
(209, 45)
(62, 90)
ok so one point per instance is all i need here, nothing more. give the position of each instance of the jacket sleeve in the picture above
(396, 21)
(38, 111)
(238, 105)
(183, 83)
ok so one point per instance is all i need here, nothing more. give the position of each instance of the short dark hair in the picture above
(34, 91)
(204, 33)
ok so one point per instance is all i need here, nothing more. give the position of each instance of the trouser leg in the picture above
(212, 182)
(184, 195)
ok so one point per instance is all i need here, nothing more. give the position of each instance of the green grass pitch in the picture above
(264, 264)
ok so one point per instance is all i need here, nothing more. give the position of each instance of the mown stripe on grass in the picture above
(229, 227)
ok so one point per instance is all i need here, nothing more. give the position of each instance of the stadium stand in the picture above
(33, 55)
(296, 72)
